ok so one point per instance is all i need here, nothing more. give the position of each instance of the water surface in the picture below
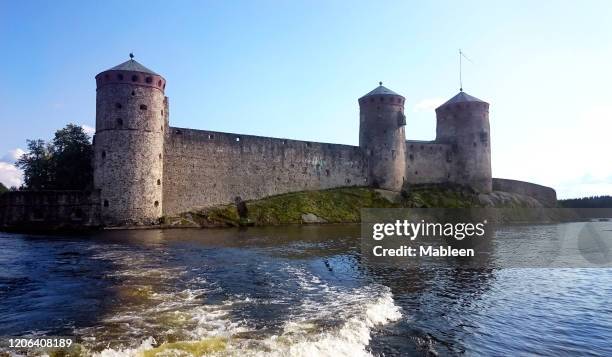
(290, 291)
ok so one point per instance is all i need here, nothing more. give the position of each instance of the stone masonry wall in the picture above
(44, 210)
(428, 162)
(204, 168)
(546, 195)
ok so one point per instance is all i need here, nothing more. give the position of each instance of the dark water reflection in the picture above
(290, 291)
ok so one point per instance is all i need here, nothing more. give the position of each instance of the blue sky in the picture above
(296, 68)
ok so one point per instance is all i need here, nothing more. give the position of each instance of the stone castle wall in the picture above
(428, 162)
(42, 210)
(204, 168)
(546, 195)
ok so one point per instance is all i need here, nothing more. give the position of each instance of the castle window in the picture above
(483, 136)
(416, 172)
(162, 112)
(120, 76)
(284, 142)
(237, 139)
(134, 78)
(411, 157)
(156, 203)
(120, 122)
(159, 83)
(104, 154)
(211, 136)
(133, 93)
(160, 156)
(178, 132)
(143, 107)
(105, 203)
(326, 172)
(118, 105)
(308, 144)
(164, 87)
(348, 181)
(149, 80)
(158, 182)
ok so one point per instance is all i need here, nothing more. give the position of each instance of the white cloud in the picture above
(428, 104)
(10, 175)
(12, 155)
(88, 129)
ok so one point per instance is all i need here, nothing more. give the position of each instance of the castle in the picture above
(145, 169)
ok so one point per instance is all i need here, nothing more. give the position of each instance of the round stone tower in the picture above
(382, 137)
(131, 117)
(463, 122)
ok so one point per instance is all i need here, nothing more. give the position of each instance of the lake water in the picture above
(289, 291)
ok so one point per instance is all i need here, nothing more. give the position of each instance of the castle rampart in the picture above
(428, 162)
(204, 168)
(545, 195)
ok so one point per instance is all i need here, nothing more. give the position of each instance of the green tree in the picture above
(63, 164)
(71, 158)
(3, 188)
(36, 165)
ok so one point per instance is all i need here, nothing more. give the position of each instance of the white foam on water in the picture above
(328, 321)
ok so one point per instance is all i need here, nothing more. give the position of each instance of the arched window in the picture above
(156, 203)
(149, 80)
(103, 154)
(134, 78)
(120, 122)
(105, 203)
(143, 107)
(158, 182)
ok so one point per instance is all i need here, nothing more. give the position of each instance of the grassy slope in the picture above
(340, 205)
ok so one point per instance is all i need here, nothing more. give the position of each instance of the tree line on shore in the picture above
(587, 202)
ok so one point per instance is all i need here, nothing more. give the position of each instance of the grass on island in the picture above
(339, 205)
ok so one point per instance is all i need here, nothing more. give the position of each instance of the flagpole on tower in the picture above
(461, 57)
(460, 78)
